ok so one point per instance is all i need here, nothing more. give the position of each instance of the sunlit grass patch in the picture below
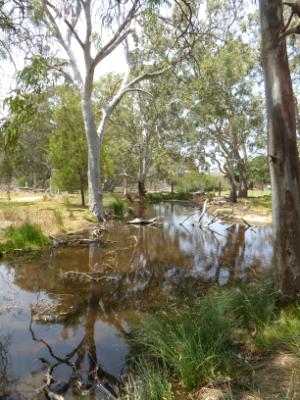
(282, 333)
(261, 202)
(27, 236)
(179, 196)
(152, 382)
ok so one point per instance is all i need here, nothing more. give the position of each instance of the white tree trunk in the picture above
(95, 193)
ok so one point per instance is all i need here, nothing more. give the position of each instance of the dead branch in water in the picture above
(93, 276)
(141, 221)
(203, 211)
(188, 217)
(73, 242)
(249, 226)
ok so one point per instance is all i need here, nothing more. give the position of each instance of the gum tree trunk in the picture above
(243, 186)
(282, 149)
(95, 193)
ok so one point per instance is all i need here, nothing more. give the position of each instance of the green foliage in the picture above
(258, 170)
(22, 109)
(35, 75)
(26, 236)
(157, 197)
(195, 181)
(67, 145)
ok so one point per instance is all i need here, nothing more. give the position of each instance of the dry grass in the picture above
(52, 214)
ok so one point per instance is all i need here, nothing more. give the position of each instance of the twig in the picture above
(188, 217)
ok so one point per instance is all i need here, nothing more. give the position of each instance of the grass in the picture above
(152, 384)
(194, 341)
(283, 334)
(27, 236)
(54, 215)
(211, 340)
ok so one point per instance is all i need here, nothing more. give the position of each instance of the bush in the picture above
(157, 197)
(195, 181)
(26, 236)
(119, 207)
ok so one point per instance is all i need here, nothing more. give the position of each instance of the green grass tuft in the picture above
(283, 333)
(254, 307)
(27, 236)
(119, 207)
(151, 383)
(194, 341)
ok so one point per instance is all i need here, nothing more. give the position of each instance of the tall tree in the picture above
(78, 26)
(67, 144)
(282, 148)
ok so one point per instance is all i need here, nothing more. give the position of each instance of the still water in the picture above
(52, 316)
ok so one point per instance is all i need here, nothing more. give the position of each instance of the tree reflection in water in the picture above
(4, 364)
(144, 268)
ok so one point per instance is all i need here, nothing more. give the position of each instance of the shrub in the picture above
(157, 197)
(196, 181)
(119, 207)
(26, 236)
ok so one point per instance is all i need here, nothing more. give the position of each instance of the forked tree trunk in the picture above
(282, 149)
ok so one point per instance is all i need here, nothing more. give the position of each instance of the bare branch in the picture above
(121, 33)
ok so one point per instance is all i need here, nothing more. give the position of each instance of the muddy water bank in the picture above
(74, 310)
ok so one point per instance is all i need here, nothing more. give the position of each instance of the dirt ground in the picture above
(249, 210)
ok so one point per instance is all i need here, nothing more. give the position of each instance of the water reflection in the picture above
(54, 317)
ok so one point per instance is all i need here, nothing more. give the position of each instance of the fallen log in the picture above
(74, 242)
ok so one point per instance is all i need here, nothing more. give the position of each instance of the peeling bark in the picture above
(282, 149)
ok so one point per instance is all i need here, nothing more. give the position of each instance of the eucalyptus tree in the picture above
(282, 148)
(67, 149)
(82, 29)
(227, 113)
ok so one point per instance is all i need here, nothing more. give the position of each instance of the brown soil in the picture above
(237, 212)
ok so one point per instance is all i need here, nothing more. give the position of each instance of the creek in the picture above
(53, 313)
